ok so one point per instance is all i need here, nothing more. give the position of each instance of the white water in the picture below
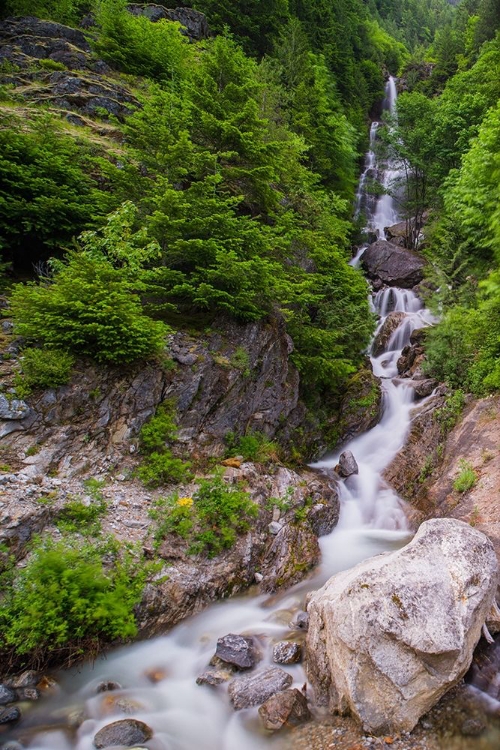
(185, 716)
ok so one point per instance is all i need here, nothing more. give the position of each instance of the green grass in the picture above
(466, 478)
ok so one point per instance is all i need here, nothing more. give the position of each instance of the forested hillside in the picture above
(448, 136)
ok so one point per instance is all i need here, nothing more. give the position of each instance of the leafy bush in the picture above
(466, 478)
(210, 520)
(253, 447)
(163, 468)
(65, 602)
(159, 465)
(46, 368)
(80, 517)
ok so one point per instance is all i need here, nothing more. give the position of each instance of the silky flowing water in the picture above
(183, 715)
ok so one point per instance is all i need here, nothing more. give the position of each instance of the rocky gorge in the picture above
(384, 639)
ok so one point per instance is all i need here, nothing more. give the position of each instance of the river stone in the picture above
(126, 732)
(14, 409)
(389, 637)
(424, 388)
(323, 518)
(214, 677)
(12, 746)
(287, 652)
(390, 324)
(8, 715)
(347, 465)
(258, 687)
(6, 695)
(238, 650)
(288, 708)
(393, 265)
(302, 620)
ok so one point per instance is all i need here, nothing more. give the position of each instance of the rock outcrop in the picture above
(193, 23)
(392, 265)
(388, 638)
(390, 324)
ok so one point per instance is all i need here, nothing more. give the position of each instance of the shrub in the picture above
(66, 602)
(466, 478)
(83, 518)
(210, 520)
(163, 468)
(253, 447)
(46, 368)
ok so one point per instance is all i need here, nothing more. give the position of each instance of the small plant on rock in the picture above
(160, 466)
(466, 478)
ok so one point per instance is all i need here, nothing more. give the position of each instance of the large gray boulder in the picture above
(388, 638)
(393, 265)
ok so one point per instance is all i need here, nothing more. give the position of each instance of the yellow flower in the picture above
(185, 502)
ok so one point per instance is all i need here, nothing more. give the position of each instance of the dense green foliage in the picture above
(159, 466)
(210, 520)
(450, 145)
(65, 602)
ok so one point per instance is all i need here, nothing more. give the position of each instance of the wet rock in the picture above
(424, 388)
(7, 695)
(10, 715)
(237, 650)
(15, 409)
(393, 265)
(115, 703)
(12, 745)
(294, 551)
(214, 677)
(28, 694)
(391, 323)
(288, 708)
(323, 518)
(106, 685)
(388, 638)
(347, 465)
(128, 732)
(361, 406)
(287, 652)
(26, 679)
(258, 687)
(398, 233)
(155, 675)
(472, 727)
(302, 620)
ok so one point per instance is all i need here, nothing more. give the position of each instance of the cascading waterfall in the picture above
(185, 716)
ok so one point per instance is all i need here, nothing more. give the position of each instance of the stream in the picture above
(183, 715)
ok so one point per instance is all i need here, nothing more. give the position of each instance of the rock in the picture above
(233, 463)
(323, 518)
(302, 620)
(424, 388)
(106, 685)
(214, 677)
(194, 24)
(288, 708)
(7, 695)
(393, 265)
(390, 324)
(12, 745)
(275, 527)
(287, 652)
(258, 687)
(347, 465)
(25, 679)
(237, 650)
(361, 406)
(472, 727)
(28, 694)
(388, 638)
(9, 715)
(294, 551)
(15, 409)
(398, 233)
(126, 732)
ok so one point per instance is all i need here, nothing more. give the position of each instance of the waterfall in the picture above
(185, 716)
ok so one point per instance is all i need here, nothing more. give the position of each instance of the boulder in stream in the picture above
(287, 708)
(7, 695)
(390, 324)
(128, 732)
(393, 265)
(287, 652)
(347, 465)
(258, 687)
(237, 650)
(389, 637)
